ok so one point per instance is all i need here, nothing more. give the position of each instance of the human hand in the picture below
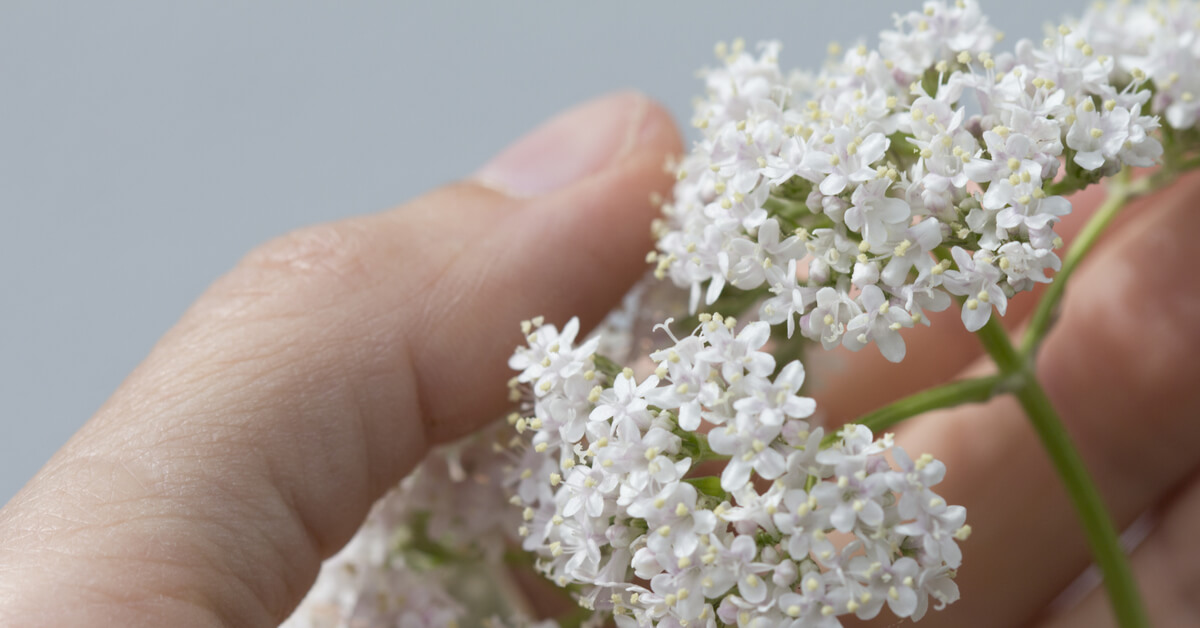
(254, 438)
(305, 383)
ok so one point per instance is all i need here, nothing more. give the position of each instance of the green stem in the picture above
(976, 390)
(1098, 527)
(789, 349)
(1120, 192)
(785, 206)
(575, 617)
(1047, 308)
(709, 485)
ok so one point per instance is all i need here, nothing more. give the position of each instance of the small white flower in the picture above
(790, 301)
(1097, 135)
(976, 279)
(747, 441)
(586, 488)
(738, 355)
(625, 401)
(876, 215)
(734, 565)
(770, 402)
(550, 358)
(827, 321)
(755, 257)
(880, 322)
(844, 158)
(675, 522)
(1025, 265)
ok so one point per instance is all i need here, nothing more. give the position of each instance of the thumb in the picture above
(252, 441)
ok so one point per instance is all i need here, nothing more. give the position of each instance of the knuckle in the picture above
(327, 253)
(309, 271)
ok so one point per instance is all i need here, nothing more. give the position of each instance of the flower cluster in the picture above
(857, 200)
(788, 532)
(846, 204)
(1157, 41)
(430, 554)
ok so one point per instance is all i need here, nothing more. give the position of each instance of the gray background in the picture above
(146, 145)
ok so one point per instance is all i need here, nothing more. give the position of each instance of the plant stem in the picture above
(1098, 527)
(976, 390)
(1047, 308)
(574, 618)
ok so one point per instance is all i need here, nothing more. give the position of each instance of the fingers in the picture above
(253, 440)
(1120, 368)
(1165, 566)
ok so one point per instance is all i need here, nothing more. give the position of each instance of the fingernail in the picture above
(574, 144)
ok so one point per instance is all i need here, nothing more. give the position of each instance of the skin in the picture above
(252, 441)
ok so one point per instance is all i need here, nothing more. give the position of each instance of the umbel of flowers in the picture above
(790, 533)
(845, 205)
(858, 199)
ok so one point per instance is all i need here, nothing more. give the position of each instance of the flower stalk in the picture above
(974, 390)
(1098, 527)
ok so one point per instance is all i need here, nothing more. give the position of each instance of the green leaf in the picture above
(709, 485)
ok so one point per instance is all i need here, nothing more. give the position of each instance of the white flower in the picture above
(936, 527)
(770, 402)
(1097, 136)
(751, 510)
(880, 322)
(1025, 265)
(827, 321)
(913, 252)
(1017, 189)
(748, 443)
(831, 252)
(625, 401)
(562, 420)
(939, 33)
(1140, 147)
(806, 606)
(856, 493)
(1006, 153)
(620, 504)
(843, 157)
(755, 257)
(932, 130)
(787, 163)
(976, 279)
(550, 357)
(895, 583)
(791, 298)
(1034, 214)
(875, 215)
(675, 523)
(738, 355)
(803, 524)
(689, 379)
(735, 565)
(586, 488)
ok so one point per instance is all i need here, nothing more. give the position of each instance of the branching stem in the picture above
(976, 390)
(1098, 527)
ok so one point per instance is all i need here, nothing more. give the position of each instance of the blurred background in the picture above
(145, 146)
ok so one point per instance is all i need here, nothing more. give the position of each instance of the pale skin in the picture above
(308, 380)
